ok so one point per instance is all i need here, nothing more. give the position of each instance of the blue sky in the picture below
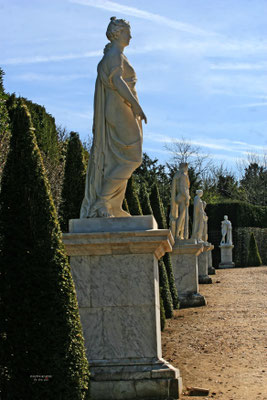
(201, 67)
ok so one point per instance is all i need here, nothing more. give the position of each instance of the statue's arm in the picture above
(123, 89)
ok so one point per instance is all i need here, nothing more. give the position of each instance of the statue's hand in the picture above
(138, 112)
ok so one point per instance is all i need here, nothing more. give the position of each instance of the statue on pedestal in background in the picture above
(117, 145)
(226, 232)
(199, 216)
(179, 203)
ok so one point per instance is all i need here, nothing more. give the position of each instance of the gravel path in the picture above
(223, 346)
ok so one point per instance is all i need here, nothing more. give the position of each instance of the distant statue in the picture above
(117, 144)
(179, 203)
(205, 223)
(226, 231)
(199, 216)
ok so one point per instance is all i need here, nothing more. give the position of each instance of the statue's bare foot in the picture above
(104, 212)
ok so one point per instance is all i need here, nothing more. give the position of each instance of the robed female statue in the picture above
(117, 129)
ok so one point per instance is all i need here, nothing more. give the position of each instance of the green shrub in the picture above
(254, 258)
(73, 183)
(144, 200)
(165, 291)
(132, 197)
(157, 207)
(40, 330)
(125, 206)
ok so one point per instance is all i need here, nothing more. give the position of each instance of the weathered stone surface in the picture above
(120, 224)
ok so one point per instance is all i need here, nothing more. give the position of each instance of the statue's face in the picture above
(125, 36)
(226, 217)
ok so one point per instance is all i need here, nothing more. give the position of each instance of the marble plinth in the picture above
(226, 256)
(134, 223)
(203, 264)
(117, 284)
(185, 268)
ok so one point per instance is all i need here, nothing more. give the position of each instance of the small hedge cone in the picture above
(254, 258)
(42, 346)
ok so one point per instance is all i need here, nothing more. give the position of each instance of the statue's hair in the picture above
(199, 191)
(113, 30)
(115, 27)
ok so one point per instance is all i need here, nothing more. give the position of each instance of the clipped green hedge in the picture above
(241, 214)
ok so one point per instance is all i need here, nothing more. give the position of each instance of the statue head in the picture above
(183, 167)
(199, 192)
(115, 27)
(226, 217)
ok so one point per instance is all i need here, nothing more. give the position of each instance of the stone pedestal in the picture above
(211, 269)
(203, 264)
(185, 268)
(226, 256)
(117, 285)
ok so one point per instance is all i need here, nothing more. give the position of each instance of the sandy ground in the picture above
(223, 346)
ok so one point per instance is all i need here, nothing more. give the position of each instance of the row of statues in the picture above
(179, 216)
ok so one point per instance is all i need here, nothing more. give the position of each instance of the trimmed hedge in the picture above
(40, 330)
(241, 214)
(131, 196)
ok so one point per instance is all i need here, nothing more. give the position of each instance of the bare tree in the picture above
(184, 151)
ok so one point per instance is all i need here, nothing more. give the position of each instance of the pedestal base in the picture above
(204, 279)
(226, 265)
(185, 268)
(152, 379)
(226, 256)
(192, 300)
(116, 279)
(211, 270)
(203, 264)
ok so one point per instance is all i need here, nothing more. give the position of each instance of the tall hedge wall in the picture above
(239, 213)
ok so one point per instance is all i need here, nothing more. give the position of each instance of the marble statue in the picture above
(179, 203)
(117, 129)
(205, 224)
(226, 232)
(199, 216)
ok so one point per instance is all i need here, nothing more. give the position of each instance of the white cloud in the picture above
(116, 7)
(31, 76)
(44, 59)
(251, 105)
(239, 66)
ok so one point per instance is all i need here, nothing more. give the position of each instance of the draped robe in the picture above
(117, 140)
